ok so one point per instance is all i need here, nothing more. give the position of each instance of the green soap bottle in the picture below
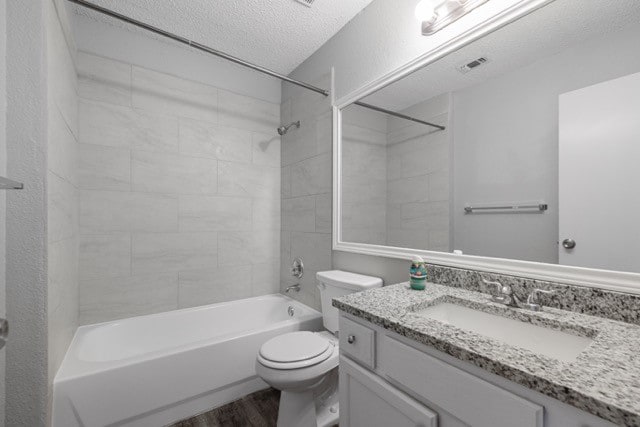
(418, 274)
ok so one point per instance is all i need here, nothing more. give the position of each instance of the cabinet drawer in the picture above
(470, 399)
(357, 341)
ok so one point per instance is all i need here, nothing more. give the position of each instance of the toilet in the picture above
(303, 365)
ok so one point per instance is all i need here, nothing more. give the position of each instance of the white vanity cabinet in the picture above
(387, 380)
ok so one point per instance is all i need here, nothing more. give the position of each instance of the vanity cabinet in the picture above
(389, 380)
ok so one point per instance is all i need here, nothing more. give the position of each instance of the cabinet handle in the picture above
(351, 339)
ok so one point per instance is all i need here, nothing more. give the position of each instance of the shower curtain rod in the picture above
(232, 58)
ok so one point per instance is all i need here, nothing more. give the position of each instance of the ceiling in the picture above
(541, 34)
(277, 34)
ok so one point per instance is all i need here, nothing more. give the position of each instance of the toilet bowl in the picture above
(304, 365)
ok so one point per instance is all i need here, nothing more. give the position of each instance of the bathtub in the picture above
(157, 369)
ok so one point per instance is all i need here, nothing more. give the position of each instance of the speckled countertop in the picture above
(603, 380)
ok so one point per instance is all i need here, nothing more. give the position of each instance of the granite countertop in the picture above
(603, 380)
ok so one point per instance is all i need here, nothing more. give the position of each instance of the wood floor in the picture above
(259, 409)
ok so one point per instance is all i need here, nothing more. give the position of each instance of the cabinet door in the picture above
(368, 401)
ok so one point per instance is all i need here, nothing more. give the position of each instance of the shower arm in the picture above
(234, 59)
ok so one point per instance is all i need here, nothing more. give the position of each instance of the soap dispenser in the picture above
(417, 274)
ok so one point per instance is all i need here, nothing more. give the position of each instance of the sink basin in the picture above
(556, 344)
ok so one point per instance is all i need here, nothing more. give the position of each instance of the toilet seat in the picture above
(295, 350)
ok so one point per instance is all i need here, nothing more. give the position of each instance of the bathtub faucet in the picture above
(295, 287)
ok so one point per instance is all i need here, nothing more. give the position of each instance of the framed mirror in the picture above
(514, 148)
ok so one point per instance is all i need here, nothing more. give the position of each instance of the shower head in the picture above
(282, 130)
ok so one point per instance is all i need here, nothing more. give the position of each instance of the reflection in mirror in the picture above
(538, 158)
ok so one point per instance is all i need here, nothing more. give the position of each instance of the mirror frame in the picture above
(580, 276)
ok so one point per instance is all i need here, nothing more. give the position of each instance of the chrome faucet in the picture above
(532, 300)
(295, 287)
(505, 294)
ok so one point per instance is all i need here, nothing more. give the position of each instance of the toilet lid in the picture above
(294, 347)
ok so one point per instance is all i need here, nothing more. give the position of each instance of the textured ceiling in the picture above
(277, 34)
(543, 33)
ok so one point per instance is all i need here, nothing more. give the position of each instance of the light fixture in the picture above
(437, 14)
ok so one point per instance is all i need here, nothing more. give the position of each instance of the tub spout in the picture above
(295, 287)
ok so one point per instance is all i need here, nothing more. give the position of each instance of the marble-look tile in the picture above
(168, 173)
(239, 179)
(353, 133)
(165, 252)
(163, 93)
(324, 133)
(113, 211)
(439, 186)
(62, 148)
(62, 267)
(202, 287)
(311, 176)
(323, 213)
(247, 113)
(201, 139)
(214, 213)
(104, 168)
(105, 255)
(408, 190)
(265, 278)
(266, 214)
(125, 127)
(236, 247)
(313, 248)
(285, 250)
(62, 207)
(103, 79)
(285, 184)
(265, 149)
(111, 298)
(365, 118)
(299, 144)
(299, 214)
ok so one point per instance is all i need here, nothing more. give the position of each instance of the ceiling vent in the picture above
(464, 69)
(307, 3)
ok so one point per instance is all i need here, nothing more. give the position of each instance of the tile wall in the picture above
(179, 192)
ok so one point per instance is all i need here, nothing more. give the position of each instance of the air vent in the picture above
(464, 69)
(307, 3)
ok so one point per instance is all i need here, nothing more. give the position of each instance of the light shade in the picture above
(437, 14)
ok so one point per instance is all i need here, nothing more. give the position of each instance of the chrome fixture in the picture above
(4, 332)
(282, 130)
(568, 243)
(295, 287)
(532, 300)
(351, 339)
(400, 115)
(197, 45)
(297, 268)
(512, 208)
(290, 311)
(437, 14)
(505, 294)
(9, 184)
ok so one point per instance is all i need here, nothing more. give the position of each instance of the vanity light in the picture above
(437, 14)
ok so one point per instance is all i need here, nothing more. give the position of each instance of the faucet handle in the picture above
(532, 299)
(498, 285)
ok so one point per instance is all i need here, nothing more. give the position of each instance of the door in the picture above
(368, 401)
(599, 127)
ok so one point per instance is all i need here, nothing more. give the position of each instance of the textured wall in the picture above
(306, 188)
(62, 186)
(3, 172)
(26, 262)
(179, 192)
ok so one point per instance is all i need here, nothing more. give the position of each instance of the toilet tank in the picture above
(336, 283)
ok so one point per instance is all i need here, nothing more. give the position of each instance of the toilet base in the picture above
(297, 409)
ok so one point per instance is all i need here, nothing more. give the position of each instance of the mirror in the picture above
(534, 154)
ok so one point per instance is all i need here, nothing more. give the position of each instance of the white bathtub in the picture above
(157, 369)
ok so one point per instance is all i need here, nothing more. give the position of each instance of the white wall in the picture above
(3, 172)
(156, 53)
(506, 145)
(26, 221)
(179, 200)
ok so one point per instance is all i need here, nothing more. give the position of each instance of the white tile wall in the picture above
(180, 186)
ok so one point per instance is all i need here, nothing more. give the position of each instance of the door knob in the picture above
(568, 243)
